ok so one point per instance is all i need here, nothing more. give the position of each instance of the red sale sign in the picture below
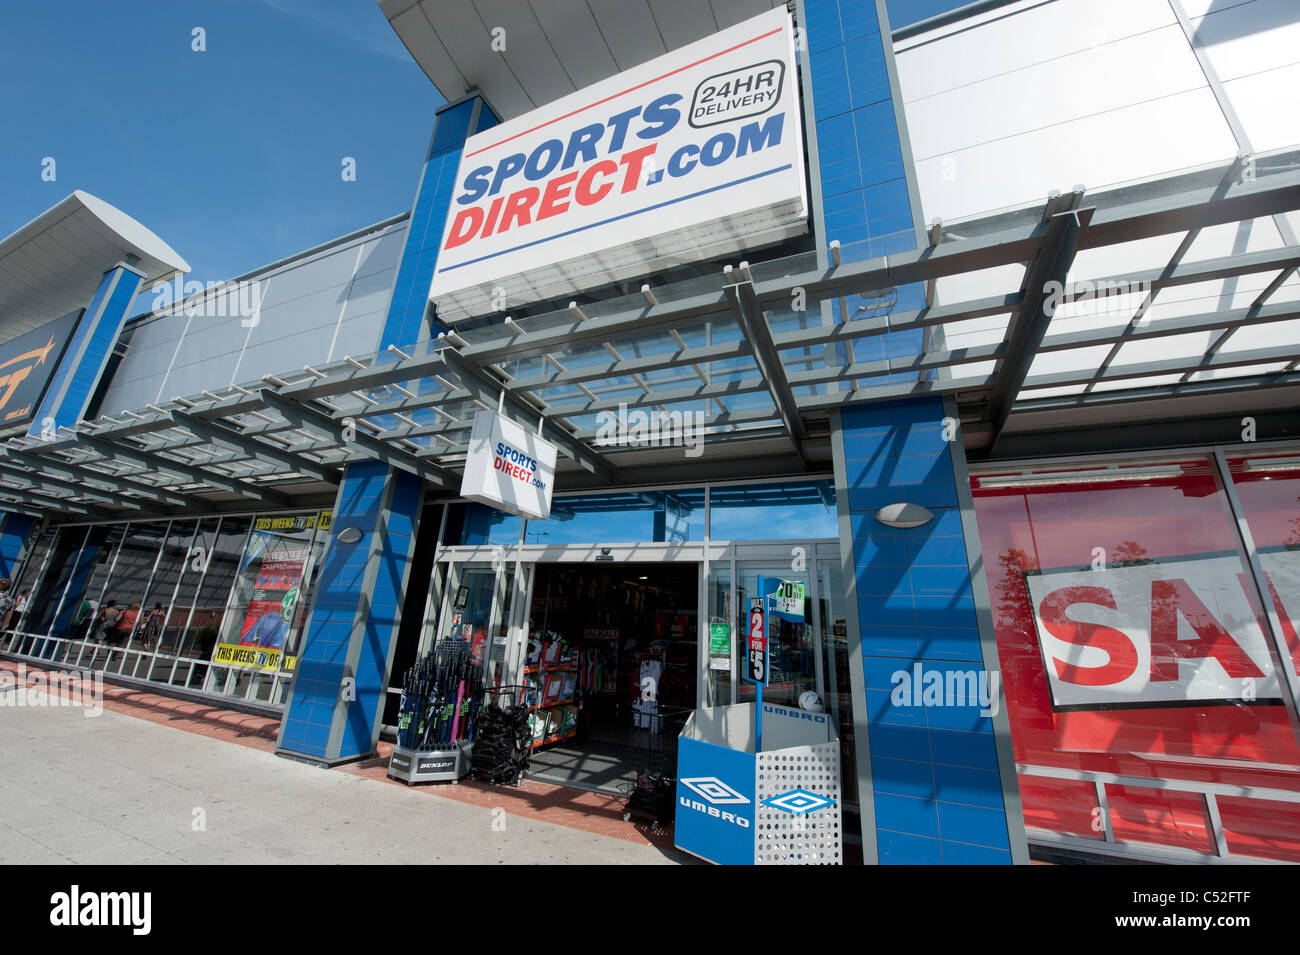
(1154, 633)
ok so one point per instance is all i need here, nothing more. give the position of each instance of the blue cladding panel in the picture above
(340, 602)
(404, 325)
(83, 362)
(13, 533)
(865, 202)
(700, 826)
(938, 794)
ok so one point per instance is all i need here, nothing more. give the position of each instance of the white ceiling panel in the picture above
(422, 41)
(528, 50)
(569, 26)
(683, 21)
(53, 264)
(629, 29)
(553, 47)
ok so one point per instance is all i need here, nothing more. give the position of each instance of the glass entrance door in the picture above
(809, 657)
(476, 608)
(796, 662)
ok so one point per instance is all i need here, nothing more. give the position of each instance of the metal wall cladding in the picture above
(312, 310)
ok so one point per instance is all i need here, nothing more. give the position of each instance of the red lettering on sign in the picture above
(633, 159)
(1169, 600)
(493, 211)
(556, 197)
(464, 226)
(517, 208)
(1123, 655)
(585, 195)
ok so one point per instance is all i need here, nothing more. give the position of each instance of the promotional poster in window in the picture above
(277, 560)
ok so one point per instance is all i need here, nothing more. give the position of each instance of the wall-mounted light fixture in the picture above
(349, 535)
(904, 514)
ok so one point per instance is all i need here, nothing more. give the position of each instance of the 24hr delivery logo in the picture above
(1161, 633)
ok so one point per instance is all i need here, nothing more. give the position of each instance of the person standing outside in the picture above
(105, 622)
(152, 626)
(20, 608)
(126, 622)
(6, 603)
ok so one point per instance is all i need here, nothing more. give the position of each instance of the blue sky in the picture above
(232, 155)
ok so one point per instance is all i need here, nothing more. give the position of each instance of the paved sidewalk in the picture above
(120, 788)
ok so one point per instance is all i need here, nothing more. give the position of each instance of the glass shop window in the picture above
(773, 511)
(1132, 643)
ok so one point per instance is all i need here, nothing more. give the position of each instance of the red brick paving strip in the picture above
(575, 808)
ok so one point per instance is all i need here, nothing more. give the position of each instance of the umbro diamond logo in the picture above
(714, 790)
(799, 802)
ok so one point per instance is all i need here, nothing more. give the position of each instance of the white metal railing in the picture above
(192, 673)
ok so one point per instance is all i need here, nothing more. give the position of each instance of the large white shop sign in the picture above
(693, 155)
(1164, 633)
(509, 468)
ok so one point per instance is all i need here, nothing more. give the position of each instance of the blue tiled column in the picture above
(14, 529)
(455, 123)
(404, 325)
(334, 709)
(864, 187)
(939, 773)
(73, 382)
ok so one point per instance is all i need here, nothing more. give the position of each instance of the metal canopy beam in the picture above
(1254, 389)
(592, 332)
(1122, 223)
(186, 472)
(65, 470)
(47, 504)
(43, 482)
(915, 389)
(286, 459)
(334, 429)
(15, 508)
(1194, 209)
(487, 391)
(1192, 273)
(589, 382)
(1166, 366)
(1182, 325)
(1029, 323)
(744, 303)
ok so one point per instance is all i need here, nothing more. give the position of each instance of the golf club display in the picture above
(437, 718)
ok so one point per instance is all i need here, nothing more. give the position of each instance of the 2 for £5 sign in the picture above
(1172, 632)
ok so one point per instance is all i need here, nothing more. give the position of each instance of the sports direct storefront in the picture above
(1148, 656)
(684, 334)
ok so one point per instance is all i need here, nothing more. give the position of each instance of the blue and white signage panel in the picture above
(695, 154)
(509, 467)
(715, 802)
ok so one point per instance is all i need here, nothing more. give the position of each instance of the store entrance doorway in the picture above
(613, 653)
